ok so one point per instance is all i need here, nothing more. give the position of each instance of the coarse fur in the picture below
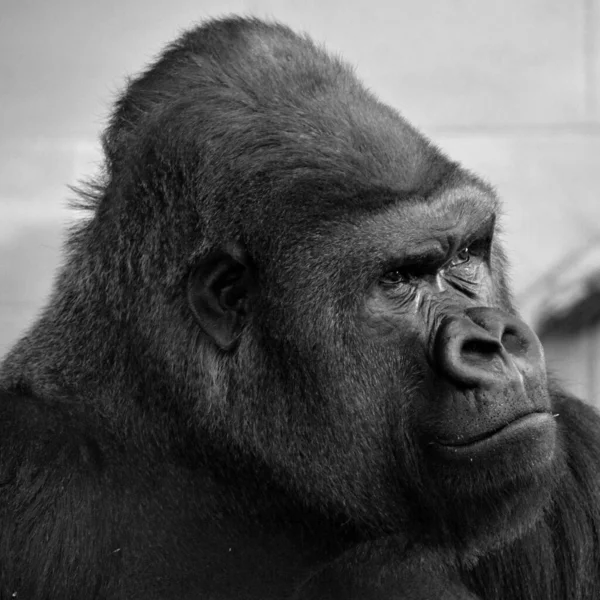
(218, 401)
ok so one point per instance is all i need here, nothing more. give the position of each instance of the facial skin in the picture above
(437, 294)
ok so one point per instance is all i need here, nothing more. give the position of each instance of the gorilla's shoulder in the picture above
(45, 440)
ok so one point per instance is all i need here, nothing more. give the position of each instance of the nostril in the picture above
(480, 348)
(513, 343)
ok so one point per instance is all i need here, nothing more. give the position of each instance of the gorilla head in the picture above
(281, 269)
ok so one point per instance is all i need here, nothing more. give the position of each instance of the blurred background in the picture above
(509, 87)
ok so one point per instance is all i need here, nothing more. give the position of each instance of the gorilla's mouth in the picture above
(531, 425)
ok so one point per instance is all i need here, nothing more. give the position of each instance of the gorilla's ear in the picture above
(218, 294)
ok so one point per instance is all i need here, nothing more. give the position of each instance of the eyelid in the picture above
(477, 243)
(433, 259)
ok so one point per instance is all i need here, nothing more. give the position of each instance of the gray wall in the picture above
(575, 358)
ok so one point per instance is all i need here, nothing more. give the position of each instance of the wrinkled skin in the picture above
(282, 361)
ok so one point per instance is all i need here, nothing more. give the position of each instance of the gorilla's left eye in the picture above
(461, 257)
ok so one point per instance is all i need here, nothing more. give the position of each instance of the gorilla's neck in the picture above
(82, 347)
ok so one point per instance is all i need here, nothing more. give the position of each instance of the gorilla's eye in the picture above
(461, 257)
(395, 277)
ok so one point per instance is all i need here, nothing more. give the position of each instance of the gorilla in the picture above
(281, 361)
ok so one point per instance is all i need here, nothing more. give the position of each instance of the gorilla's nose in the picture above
(488, 348)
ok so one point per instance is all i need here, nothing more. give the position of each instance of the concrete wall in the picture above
(510, 87)
(575, 358)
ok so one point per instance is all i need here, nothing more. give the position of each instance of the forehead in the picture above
(407, 225)
(466, 207)
(452, 213)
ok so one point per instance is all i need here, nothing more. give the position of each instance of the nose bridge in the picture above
(492, 322)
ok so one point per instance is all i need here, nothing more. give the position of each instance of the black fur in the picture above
(273, 439)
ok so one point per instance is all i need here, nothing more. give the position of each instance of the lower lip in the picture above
(529, 426)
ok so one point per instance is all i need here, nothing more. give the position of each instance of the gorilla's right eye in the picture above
(395, 277)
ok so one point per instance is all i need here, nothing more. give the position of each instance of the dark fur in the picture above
(139, 461)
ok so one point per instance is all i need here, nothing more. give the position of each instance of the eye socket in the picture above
(465, 264)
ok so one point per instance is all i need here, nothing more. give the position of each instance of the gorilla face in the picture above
(437, 295)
